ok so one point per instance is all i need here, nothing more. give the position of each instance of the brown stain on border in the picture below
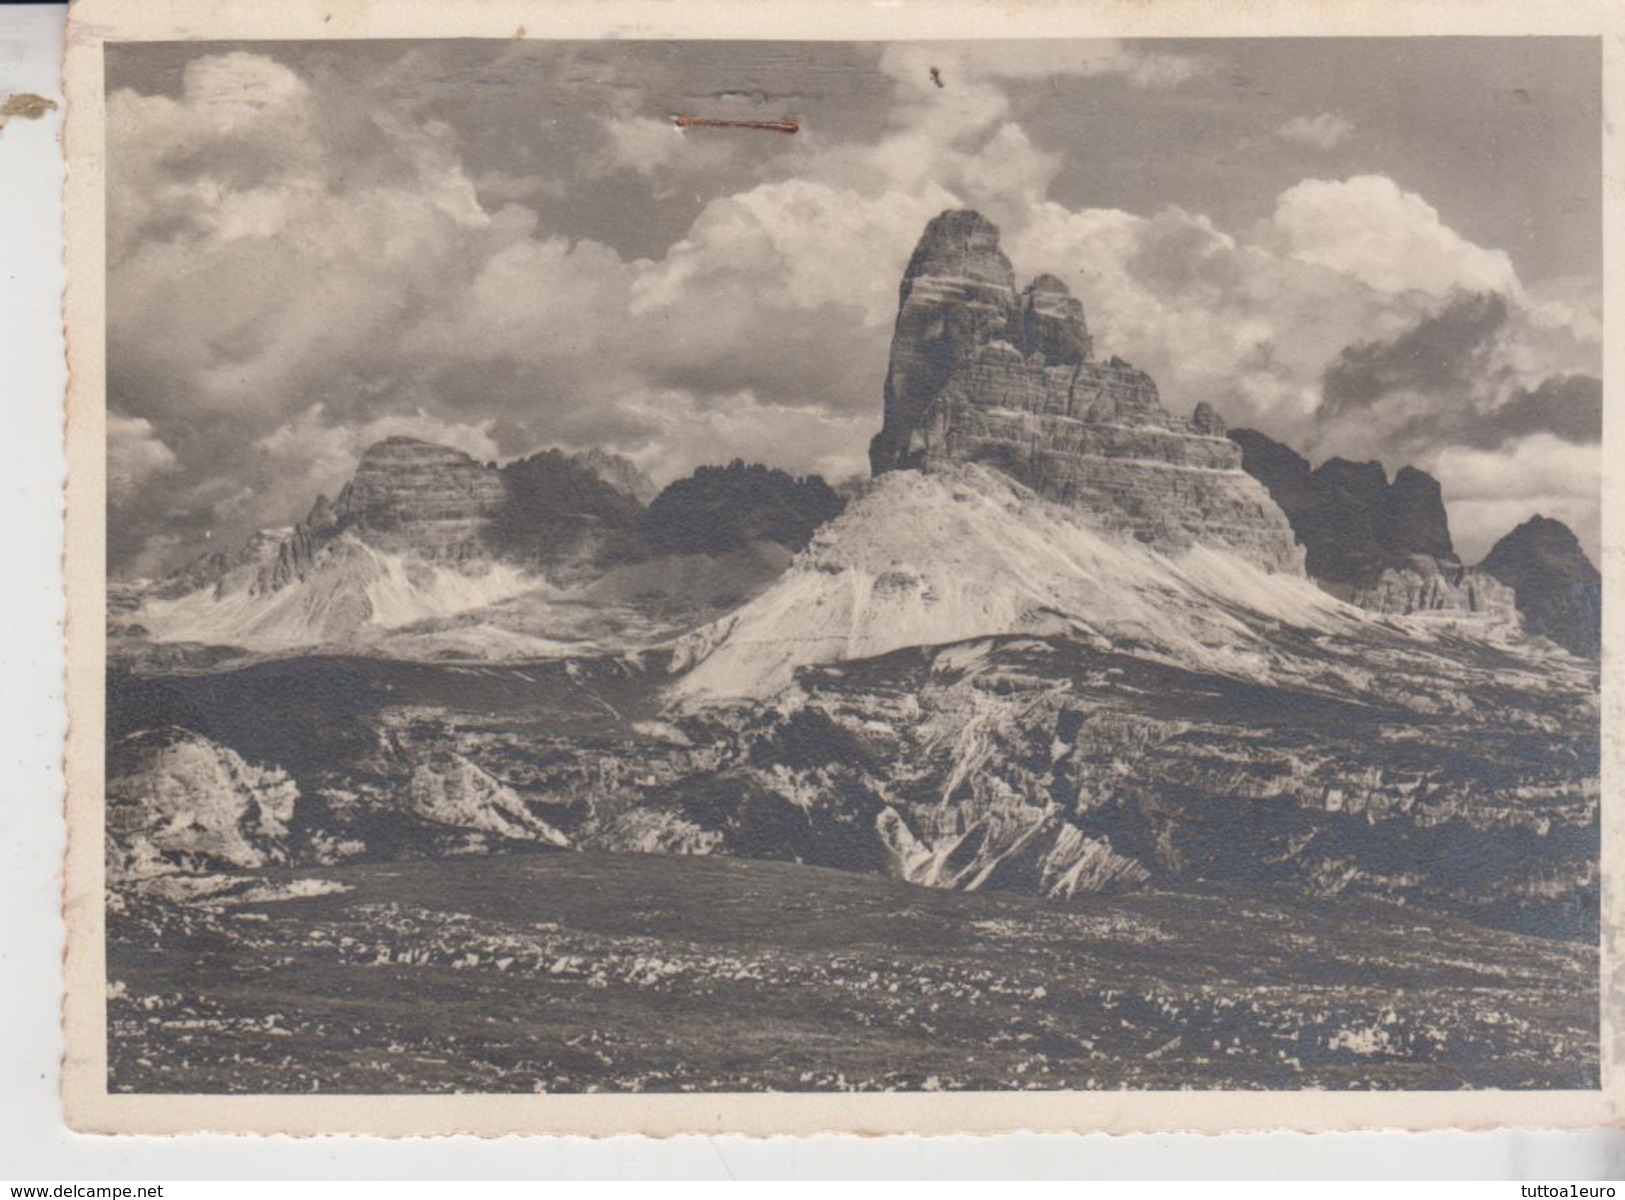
(26, 106)
(785, 125)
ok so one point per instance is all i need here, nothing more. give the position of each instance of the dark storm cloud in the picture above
(1445, 354)
(1568, 406)
(1455, 388)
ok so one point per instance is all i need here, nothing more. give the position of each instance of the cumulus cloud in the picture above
(1212, 317)
(1324, 131)
(1393, 240)
(1331, 341)
(280, 251)
(1568, 407)
(262, 259)
(1436, 372)
(135, 456)
(690, 427)
(300, 266)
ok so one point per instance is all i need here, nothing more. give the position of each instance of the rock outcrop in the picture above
(569, 515)
(179, 802)
(1379, 544)
(454, 792)
(982, 373)
(963, 551)
(1558, 590)
(1352, 521)
(1052, 323)
(958, 294)
(295, 554)
(1414, 513)
(1425, 584)
(721, 510)
(260, 551)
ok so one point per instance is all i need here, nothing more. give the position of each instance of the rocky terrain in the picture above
(513, 974)
(1455, 773)
(1352, 521)
(564, 517)
(190, 806)
(1041, 760)
(927, 558)
(412, 496)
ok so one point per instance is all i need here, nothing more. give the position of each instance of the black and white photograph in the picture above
(667, 566)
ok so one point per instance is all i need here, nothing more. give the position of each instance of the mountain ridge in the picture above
(1380, 544)
(982, 375)
(424, 537)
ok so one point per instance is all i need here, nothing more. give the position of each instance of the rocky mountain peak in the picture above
(981, 373)
(1049, 285)
(1268, 460)
(1352, 521)
(958, 294)
(960, 243)
(1407, 516)
(414, 495)
(1367, 480)
(1558, 589)
(1544, 542)
(399, 447)
(407, 496)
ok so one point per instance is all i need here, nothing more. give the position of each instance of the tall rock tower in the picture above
(981, 372)
(958, 294)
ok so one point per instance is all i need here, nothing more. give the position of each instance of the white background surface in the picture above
(35, 1147)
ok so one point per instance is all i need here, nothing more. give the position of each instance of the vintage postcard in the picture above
(826, 567)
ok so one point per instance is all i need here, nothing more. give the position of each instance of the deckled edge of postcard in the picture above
(91, 1108)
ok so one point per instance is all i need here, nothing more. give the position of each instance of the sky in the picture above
(1381, 249)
